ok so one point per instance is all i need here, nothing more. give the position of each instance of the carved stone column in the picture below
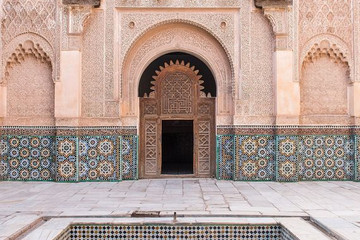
(68, 89)
(287, 90)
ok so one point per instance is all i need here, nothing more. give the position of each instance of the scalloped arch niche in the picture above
(167, 38)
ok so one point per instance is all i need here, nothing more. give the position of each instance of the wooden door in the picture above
(177, 95)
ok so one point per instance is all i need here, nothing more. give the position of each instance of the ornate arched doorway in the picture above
(177, 118)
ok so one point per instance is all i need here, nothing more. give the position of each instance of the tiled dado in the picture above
(268, 153)
(88, 154)
(27, 157)
(243, 153)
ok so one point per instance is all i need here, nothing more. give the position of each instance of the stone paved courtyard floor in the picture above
(333, 205)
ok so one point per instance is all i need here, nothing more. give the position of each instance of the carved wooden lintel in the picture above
(278, 17)
(78, 15)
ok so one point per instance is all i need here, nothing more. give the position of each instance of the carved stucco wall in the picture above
(29, 16)
(29, 60)
(256, 103)
(30, 90)
(93, 66)
(130, 25)
(330, 20)
(101, 99)
(326, 16)
(324, 91)
(31, 20)
(326, 32)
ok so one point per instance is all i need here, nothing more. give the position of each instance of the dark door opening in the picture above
(177, 147)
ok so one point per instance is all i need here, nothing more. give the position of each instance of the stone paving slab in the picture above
(335, 205)
(302, 229)
(16, 223)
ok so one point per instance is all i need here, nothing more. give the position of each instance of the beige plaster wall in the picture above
(93, 67)
(354, 94)
(355, 99)
(256, 104)
(287, 91)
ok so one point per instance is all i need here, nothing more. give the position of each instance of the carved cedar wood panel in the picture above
(177, 94)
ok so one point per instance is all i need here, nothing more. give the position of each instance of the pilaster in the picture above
(287, 91)
(354, 102)
(2, 103)
(68, 89)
